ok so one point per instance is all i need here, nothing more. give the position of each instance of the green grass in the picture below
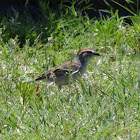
(104, 103)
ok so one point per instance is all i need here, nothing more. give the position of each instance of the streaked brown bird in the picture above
(69, 71)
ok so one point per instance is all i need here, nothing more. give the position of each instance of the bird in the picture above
(70, 71)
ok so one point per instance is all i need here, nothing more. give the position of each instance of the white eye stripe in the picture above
(88, 51)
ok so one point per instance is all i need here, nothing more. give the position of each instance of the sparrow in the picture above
(70, 71)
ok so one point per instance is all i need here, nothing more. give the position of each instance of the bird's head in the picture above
(86, 54)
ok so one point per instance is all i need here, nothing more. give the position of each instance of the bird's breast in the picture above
(83, 68)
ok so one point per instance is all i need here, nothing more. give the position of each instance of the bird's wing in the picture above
(65, 69)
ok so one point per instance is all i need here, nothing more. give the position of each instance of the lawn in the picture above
(103, 104)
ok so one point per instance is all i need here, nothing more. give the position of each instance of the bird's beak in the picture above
(97, 54)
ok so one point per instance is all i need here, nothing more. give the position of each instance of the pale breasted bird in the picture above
(70, 71)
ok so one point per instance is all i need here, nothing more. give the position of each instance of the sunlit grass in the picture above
(103, 104)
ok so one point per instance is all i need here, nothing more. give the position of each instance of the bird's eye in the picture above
(89, 53)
